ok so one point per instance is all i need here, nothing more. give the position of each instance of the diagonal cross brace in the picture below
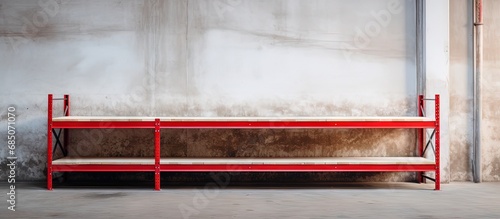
(429, 142)
(58, 142)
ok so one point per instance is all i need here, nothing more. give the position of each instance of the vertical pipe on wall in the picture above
(420, 47)
(478, 54)
(420, 74)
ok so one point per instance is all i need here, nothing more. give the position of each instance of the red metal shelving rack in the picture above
(157, 164)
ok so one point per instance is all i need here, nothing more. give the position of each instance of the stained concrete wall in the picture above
(461, 90)
(213, 58)
(490, 126)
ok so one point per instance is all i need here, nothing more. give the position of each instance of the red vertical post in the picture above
(420, 135)
(157, 154)
(66, 131)
(49, 143)
(66, 105)
(438, 142)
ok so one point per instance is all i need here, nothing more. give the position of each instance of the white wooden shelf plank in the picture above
(208, 161)
(244, 119)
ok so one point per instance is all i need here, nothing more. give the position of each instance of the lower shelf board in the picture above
(244, 161)
(305, 164)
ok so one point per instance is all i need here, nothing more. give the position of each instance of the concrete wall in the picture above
(491, 93)
(237, 58)
(210, 58)
(461, 90)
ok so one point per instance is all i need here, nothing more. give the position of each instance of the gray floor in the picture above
(370, 200)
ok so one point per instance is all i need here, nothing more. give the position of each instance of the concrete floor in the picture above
(367, 200)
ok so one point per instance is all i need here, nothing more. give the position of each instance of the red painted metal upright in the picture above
(157, 154)
(420, 134)
(438, 144)
(66, 113)
(49, 143)
(66, 105)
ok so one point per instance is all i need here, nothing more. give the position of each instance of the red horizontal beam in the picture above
(294, 124)
(295, 168)
(245, 124)
(103, 168)
(247, 168)
(103, 125)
